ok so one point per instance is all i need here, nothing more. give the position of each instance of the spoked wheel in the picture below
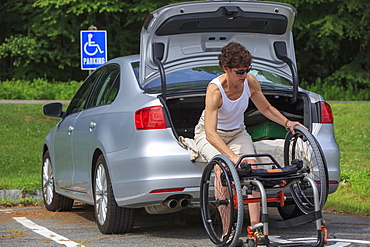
(303, 145)
(221, 201)
(52, 200)
(109, 216)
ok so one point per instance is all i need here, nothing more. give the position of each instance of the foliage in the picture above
(37, 89)
(41, 37)
(46, 43)
(337, 92)
(22, 202)
(333, 41)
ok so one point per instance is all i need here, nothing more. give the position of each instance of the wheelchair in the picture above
(225, 188)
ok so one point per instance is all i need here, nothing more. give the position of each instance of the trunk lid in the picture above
(191, 34)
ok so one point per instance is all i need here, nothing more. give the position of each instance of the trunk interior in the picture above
(186, 110)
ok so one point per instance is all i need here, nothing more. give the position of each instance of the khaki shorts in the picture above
(238, 140)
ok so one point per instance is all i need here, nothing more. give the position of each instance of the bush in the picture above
(41, 89)
(38, 89)
(336, 92)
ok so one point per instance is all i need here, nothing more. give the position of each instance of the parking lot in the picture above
(35, 226)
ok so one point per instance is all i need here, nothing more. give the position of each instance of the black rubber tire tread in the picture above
(237, 221)
(251, 243)
(118, 219)
(303, 201)
(289, 211)
(59, 202)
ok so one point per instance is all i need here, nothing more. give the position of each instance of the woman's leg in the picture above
(254, 208)
(222, 193)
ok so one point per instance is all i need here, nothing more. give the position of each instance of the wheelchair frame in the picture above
(302, 178)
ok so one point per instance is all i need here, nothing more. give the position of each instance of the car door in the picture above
(63, 169)
(85, 141)
(63, 139)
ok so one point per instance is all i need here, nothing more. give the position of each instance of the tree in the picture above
(332, 40)
(42, 39)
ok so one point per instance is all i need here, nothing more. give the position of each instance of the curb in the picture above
(16, 195)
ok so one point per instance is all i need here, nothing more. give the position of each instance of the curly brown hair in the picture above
(235, 55)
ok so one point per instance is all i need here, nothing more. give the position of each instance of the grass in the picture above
(14, 233)
(352, 132)
(23, 128)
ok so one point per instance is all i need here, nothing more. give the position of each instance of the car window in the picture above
(78, 102)
(198, 78)
(114, 91)
(106, 87)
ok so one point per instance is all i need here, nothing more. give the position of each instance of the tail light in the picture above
(326, 113)
(150, 118)
(167, 190)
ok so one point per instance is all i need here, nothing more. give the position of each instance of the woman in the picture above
(221, 129)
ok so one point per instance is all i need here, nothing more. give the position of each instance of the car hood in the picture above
(191, 34)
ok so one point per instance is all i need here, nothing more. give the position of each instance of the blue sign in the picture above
(93, 49)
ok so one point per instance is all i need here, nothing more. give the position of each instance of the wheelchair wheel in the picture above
(303, 145)
(221, 201)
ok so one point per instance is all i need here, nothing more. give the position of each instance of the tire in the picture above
(52, 200)
(303, 145)
(231, 204)
(251, 243)
(109, 216)
(289, 211)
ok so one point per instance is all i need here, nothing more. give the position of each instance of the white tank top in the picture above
(231, 113)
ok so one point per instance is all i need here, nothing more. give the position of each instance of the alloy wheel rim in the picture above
(101, 194)
(47, 182)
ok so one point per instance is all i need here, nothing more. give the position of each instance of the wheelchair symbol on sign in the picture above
(91, 44)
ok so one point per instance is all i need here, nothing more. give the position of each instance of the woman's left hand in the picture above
(290, 125)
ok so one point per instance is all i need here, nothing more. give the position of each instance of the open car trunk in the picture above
(186, 110)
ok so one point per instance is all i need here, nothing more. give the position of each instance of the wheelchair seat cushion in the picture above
(266, 173)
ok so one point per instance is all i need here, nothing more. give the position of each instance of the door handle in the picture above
(92, 125)
(70, 129)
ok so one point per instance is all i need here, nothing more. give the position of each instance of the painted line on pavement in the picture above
(337, 242)
(46, 232)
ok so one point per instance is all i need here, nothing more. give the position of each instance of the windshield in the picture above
(197, 79)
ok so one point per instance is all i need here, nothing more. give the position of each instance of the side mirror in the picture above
(53, 109)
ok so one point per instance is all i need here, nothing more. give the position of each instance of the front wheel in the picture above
(52, 200)
(109, 216)
(221, 202)
(303, 146)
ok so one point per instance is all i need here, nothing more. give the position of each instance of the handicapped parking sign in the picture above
(93, 49)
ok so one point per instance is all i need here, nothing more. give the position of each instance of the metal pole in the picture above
(92, 27)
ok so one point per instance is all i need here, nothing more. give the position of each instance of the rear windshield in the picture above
(197, 79)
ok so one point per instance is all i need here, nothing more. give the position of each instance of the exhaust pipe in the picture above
(172, 203)
(168, 206)
(184, 202)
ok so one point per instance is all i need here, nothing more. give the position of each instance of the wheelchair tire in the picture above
(304, 146)
(229, 202)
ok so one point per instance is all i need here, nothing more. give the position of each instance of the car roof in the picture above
(191, 34)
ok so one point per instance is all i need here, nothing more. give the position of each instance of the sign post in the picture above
(93, 49)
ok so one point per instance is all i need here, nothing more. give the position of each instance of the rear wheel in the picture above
(221, 202)
(303, 146)
(109, 216)
(52, 200)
